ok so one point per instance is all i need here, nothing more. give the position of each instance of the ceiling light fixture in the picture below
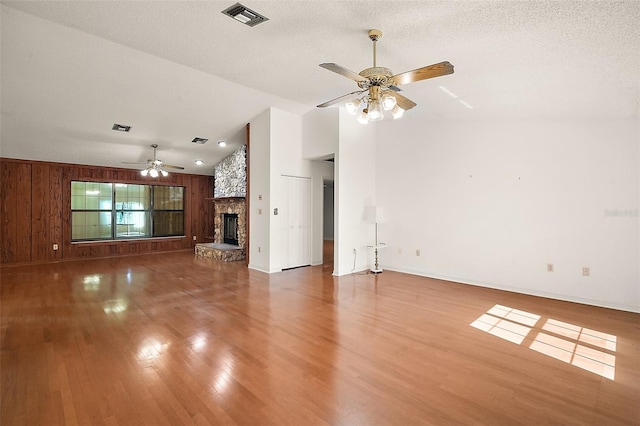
(222, 143)
(362, 118)
(154, 170)
(199, 162)
(156, 167)
(374, 106)
(200, 141)
(379, 87)
(381, 92)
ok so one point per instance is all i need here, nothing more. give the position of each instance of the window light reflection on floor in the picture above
(588, 349)
(91, 282)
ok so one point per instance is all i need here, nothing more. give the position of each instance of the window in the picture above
(133, 210)
(91, 206)
(107, 211)
(168, 213)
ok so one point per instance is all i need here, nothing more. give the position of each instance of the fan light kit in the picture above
(155, 167)
(379, 87)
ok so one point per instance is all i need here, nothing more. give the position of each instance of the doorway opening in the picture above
(328, 225)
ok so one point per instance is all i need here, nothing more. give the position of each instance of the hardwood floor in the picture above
(171, 339)
(327, 256)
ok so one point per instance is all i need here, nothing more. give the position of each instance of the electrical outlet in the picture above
(194, 238)
(418, 252)
(585, 271)
(55, 247)
(549, 267)
(259, 211)
(259, 250)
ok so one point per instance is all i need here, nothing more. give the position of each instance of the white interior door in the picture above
(298, 219)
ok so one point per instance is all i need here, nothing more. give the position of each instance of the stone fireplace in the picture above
(225, 212)
(229, 230)
(229, 209)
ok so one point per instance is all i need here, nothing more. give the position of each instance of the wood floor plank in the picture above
(172, 339)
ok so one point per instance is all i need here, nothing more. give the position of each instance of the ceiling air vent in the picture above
(121, 127)
(245, 15)
(200, 141)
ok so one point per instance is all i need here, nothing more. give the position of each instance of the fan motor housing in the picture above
(376, 76)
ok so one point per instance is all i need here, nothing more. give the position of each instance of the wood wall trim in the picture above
(248, 191)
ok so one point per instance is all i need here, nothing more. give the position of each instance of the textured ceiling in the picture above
(177, 70)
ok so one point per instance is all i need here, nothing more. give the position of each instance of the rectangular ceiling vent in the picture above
(120, 127)
(200, 141)
(245, 15)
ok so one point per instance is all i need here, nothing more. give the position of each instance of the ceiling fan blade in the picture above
(435, 70)
(169, 166)
(403, 102)
(133, 162)
(395, 88)
(340, 99)
(343, 71)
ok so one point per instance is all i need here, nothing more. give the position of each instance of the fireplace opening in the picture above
(230, 229)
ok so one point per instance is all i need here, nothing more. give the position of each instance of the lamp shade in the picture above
(362, 118)
(374, 214)
(397, 112)
(375, 111)
(388, 102)
(352, 107)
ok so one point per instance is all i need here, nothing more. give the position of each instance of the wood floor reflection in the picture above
(171, 339)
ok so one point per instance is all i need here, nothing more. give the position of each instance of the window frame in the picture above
(114, 211)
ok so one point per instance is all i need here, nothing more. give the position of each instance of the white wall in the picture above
(276, 151)
(492, 203)
(354, 190)
(320, 133)
(286, 159)
(259, 184)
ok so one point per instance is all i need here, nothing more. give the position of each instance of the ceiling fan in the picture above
(380, 87)
(155, 167)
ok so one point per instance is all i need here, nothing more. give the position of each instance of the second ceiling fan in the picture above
(380, 86)
(155, 167)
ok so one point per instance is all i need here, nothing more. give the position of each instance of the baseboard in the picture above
(258, 268)
(529, 292)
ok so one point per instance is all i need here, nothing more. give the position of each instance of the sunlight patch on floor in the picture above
(585, 348)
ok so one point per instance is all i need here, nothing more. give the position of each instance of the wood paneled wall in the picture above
(35, 209)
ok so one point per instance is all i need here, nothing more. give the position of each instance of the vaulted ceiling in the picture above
(176, 70)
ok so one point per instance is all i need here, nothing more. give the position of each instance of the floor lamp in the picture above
(375, 215)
